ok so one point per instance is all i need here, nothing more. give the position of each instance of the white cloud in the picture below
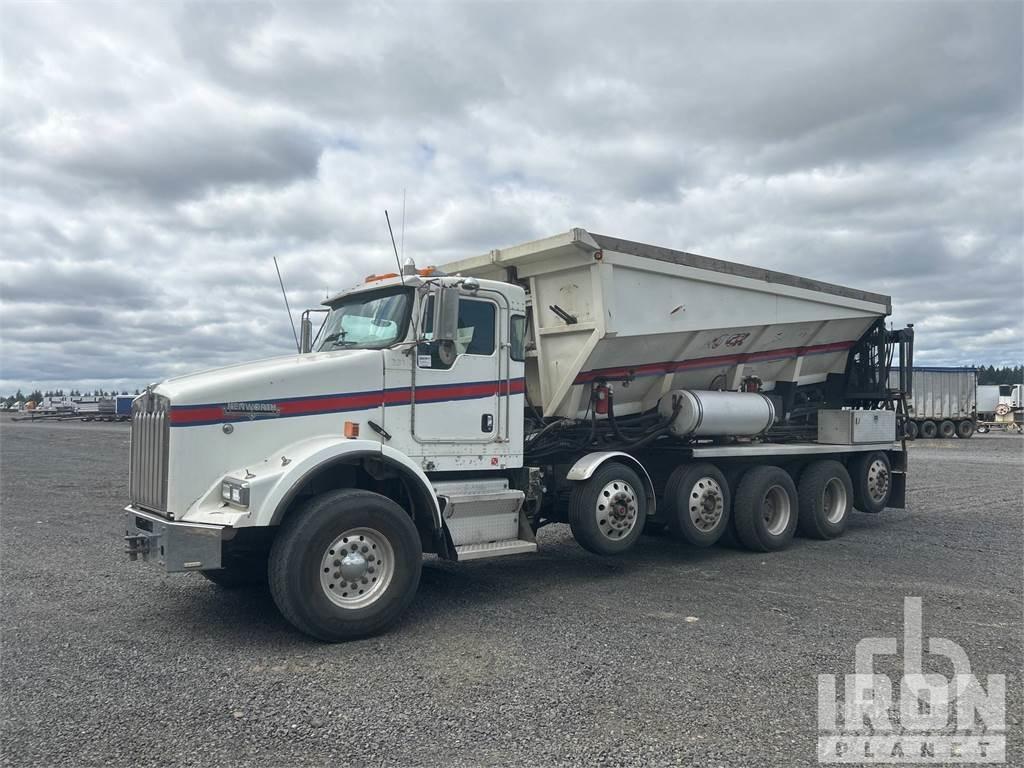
(156, 156)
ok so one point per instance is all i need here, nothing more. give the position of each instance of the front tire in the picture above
(765, 509)
(607, 512)
(826, 498)
(345, 565)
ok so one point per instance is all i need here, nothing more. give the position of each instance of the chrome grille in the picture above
(147, 472)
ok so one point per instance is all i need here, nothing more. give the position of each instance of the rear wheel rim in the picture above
(878, 480)
(834, 500)
(776, 510)
(357, 568)
(616, 510)
(706, 504)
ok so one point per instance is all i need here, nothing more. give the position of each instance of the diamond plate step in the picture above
(495, 549)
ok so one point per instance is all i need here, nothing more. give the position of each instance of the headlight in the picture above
(234, 492)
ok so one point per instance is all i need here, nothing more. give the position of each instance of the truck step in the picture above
(495, 549)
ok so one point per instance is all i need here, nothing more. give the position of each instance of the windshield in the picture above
(366, 320)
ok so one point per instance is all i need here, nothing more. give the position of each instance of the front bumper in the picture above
(174, 545)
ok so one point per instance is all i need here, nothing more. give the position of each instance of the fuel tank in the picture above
(708, 413)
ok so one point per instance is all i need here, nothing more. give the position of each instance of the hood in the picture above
(309, 375)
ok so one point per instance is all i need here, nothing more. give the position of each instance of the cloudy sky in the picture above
(156, 156)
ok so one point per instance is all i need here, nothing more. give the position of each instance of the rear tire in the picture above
(912, 430)
(929, 429)
(765, 509)
(826, 498)
(965, 429)
(698, 504)
(607, 511)
(345, 565)
(872, 482)
(947, 429)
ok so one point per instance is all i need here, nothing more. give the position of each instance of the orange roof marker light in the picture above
(425, 272)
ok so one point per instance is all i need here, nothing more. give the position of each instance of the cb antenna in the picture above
(397, 259)
(284, 293)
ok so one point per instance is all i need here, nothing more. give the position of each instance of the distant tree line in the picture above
(988, 374)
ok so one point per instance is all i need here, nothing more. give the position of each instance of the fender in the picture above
(586, 466)
(275, 482)
(343, 452)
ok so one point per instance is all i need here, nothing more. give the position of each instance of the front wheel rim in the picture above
(834, 500)
(357, 568)
(776, 510)
(616, 510)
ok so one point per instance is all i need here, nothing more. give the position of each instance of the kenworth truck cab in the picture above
(455, 411)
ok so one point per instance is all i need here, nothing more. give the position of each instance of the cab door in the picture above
(457, 402)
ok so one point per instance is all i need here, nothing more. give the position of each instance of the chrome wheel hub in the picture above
(354, 566)
(357, 568)
(616, 510)
(878, 480)
(706, 504)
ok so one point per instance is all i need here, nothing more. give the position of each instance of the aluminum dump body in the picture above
(650, 319)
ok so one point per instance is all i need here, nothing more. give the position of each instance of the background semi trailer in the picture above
(583, 380)
(941, 402)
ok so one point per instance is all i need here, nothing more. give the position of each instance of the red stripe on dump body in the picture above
(220, 413)
(671, 366)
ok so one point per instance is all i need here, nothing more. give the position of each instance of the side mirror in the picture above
(446, 314)
(305, 335)
(446, 323)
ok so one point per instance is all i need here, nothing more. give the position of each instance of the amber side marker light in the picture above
(351, 429)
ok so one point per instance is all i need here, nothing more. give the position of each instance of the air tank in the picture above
(707, 413)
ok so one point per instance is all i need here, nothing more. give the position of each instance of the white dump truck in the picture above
(580, 379)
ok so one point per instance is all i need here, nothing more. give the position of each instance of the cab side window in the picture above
(517, 338)
(477, 325)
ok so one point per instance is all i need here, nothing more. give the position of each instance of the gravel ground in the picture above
(664, 656)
